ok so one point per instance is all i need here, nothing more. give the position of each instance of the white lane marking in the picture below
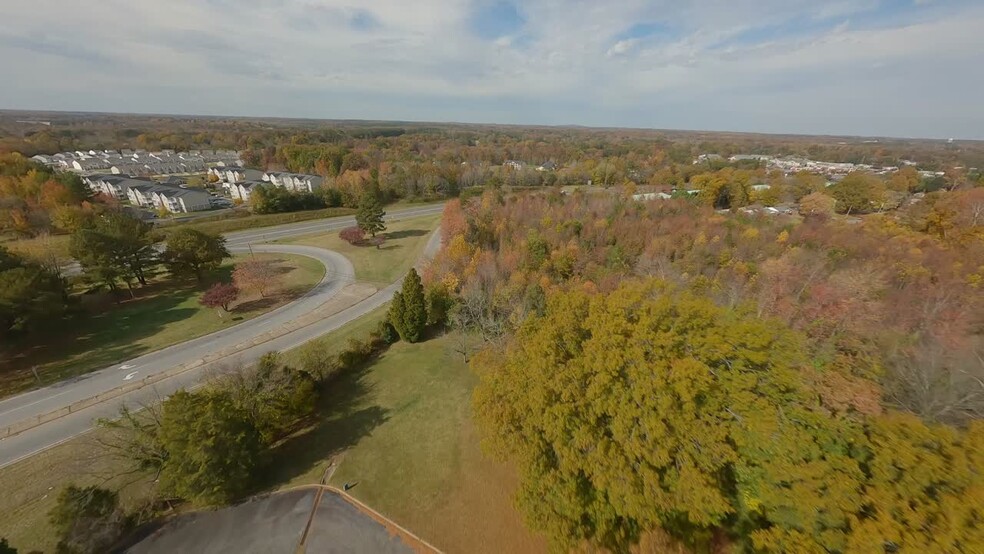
(130, 375)
(28, 405)
(126, 366)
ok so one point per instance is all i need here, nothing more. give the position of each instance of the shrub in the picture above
(352, 235)
(386, 332)
(87, 519)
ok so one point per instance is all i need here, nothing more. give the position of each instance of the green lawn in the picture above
(238, 220)
(405, 240)
(43, 248)
(163, 314)
(402, 431)
(31, 487)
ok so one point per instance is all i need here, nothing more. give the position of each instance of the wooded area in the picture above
(756, 380)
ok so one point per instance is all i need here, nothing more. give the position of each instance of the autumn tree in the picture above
(353, 235)
(192, 252)
(220, 295)
(858, 193)
(408, 309)
(255, 276)
(647, 407)
(817, 204)
(924, 493)
(370, 214)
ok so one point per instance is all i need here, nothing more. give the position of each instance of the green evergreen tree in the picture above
(213, 447)
(370, 215)
(408, 310)
(414, 307)
(396, 310)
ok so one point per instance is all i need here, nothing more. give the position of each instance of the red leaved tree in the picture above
(220, 295)
(352, 235)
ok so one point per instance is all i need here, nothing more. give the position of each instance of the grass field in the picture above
(224, 222)
(239, 220)
(405, 240)
(163, 314)
(402, 430)
(31, 487)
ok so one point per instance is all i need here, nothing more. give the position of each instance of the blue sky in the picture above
(862, 67)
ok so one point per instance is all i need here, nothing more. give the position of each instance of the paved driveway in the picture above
(274, 524)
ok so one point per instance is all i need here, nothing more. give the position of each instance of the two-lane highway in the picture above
(339, 272)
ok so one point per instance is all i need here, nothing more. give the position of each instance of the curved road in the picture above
(339, 272)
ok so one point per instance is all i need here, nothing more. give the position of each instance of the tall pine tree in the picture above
(370, 215)
(408, 311)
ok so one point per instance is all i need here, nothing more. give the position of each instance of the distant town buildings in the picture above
(795, 164)
(140, 162)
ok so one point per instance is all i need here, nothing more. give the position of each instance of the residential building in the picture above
(179, 200)
(295, 182)
(242, 191)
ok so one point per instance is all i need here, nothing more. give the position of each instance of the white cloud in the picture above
(855, 67)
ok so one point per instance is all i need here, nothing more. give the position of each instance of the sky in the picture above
(906, 68)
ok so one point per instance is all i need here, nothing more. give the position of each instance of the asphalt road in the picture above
(339, 272)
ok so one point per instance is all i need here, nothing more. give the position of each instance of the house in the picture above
(651, 196)
(178, 200)
(548, 166)
(294, 182)
(116, 186)
(90, 164)
(513, 164)
(242, 191)
(144, 195)
(760, 187)
(236, 174)
(707, 158)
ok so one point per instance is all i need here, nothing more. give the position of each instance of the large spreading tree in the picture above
(30, 294)
(649, 408)
(115, 247)
(192, 252)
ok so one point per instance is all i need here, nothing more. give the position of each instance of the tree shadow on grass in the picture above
(345, 415)
(103, 331)
(261, 303)
(405, 234)
(84, 344)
